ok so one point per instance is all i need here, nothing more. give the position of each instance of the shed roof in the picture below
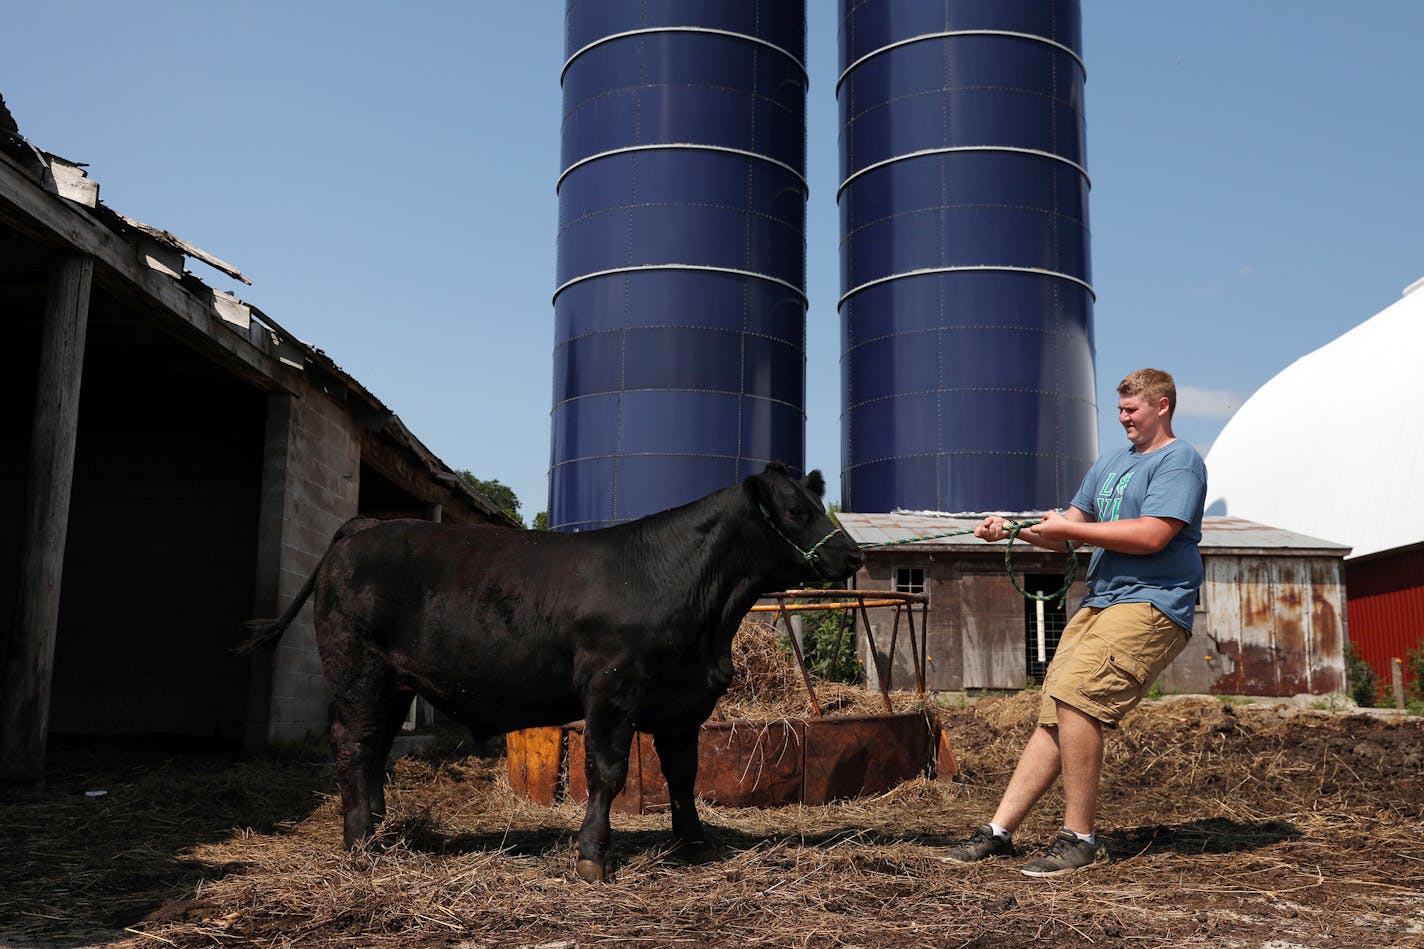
(1220, 534)
(26, 170)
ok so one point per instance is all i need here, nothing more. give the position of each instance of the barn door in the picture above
(1043, 623)
(992, 632)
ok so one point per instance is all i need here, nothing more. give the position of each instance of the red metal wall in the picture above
(1385, 600)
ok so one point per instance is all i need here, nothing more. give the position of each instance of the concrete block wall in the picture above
(311, 485)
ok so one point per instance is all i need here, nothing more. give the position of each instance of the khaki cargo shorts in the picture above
(1107, 659)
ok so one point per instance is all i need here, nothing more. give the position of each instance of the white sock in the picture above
(1000, 831)
(1086, 838)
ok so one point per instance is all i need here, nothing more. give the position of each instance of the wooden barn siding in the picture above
(975, 637)
(993, 632)
(942, 667)
(944, 642)
(1277, 621)
(1386, 597)
(1269, 625)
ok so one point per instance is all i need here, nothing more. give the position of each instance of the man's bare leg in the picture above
(1080, 741)
(1038, 767)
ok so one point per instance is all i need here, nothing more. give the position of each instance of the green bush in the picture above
(818, 642)
(1414, 665)
(1361, 683)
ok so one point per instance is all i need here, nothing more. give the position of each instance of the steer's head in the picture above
(792, 511)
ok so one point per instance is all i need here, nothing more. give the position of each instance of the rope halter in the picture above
(808, 554)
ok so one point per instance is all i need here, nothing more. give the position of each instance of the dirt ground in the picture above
(1228, 825)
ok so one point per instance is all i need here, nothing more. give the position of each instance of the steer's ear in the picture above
(760, 486)
(815, 483)
(756, 489)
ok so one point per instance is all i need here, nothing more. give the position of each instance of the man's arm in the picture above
(1137, 535)
(993, 529)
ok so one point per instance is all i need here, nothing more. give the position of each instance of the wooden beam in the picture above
(72, 182)
(29, 665)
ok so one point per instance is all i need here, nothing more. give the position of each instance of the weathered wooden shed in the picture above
(1270, 619)
(176, 464)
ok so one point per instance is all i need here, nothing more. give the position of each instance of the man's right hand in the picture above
(992, 529)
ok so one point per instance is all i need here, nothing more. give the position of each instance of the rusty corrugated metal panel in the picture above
(1290, 635)
(655, 794)
(1327, 627)
(849, 757)
(751, 764)
(1386, 605)
(746, 764)
(946, 765)
(1256, 660)
(1223, 621)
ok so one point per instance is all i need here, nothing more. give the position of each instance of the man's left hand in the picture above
(1054, 526)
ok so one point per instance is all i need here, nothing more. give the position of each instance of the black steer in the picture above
(629, 628)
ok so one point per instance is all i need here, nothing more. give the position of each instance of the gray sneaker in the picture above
(1067, 854)
(980, 845)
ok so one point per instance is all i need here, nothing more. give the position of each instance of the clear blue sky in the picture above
(385, 175)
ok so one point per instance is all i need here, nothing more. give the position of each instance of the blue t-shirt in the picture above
(1168, 482)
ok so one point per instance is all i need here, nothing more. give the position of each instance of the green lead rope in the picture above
(1070, 569)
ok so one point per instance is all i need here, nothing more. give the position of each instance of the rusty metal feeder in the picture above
(813, 760)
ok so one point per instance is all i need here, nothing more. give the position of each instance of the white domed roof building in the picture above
(1331, 447)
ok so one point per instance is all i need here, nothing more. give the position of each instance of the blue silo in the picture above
(680, 310)
(966, 308)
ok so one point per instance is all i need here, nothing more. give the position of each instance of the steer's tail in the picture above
(266, 632)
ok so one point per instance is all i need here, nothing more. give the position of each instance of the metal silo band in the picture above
(768, 400)
(948, 34)
(926, 271)
(614, 271)
(690, 146)
(730, 34)
(925, 152)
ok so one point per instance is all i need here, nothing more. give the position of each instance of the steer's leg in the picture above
(607, 739)
(677, 750)
(393, 714)
(357, 825)
(361, 734)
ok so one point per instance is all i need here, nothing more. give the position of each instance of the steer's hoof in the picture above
(695, 851)
(591, 871)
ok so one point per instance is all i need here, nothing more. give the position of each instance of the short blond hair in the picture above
(1151, 384)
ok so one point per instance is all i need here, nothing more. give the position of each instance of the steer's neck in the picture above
(718, 554)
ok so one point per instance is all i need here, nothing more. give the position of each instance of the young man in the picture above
(1141, 510)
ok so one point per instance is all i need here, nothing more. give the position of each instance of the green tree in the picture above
(1360, 679)
(819, 631)
(541, 521)
(1414, 664)
(501, 494)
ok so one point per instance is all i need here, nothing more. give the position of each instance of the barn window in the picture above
(909, 579)
(1043, 623)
